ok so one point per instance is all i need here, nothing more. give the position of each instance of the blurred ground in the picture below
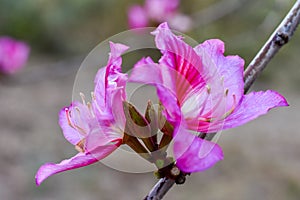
(261, 158)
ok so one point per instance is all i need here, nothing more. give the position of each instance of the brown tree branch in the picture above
(160, 189)
(280, 37)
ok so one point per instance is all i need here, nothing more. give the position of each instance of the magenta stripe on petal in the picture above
(179, 55)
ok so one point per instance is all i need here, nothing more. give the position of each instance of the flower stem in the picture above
(135, 144)
(151, 117)
(280, 37)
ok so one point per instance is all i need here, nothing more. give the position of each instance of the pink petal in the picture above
(252, 106)
(203, 110)
(116, 50)
(231, 68)
(195, 74)
(13, 55)
(194, 154)
(101, 136)
(179, 56)
(99, 104)
(194, 102)
(117, 108)
(79, 160)
(114, 61)
(137, 17)
(147, 72)
(108, 79)
(205, 126)
(192, 70)
(145, 61)
(103, 133)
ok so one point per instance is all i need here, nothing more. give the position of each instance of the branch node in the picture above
(281, 38)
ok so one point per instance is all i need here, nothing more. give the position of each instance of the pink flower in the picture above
(158, 11)
(137, 17)
(96, 129)
(202, 92)
(13, 55)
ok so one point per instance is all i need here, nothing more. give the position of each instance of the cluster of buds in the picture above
(150, 136)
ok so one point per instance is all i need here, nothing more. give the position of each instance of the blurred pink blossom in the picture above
(137, 17)
(155, 12)
(13, 55)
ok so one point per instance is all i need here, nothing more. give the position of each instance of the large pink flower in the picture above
(202, 92)
(13, 55)
(96, 129)
(158, 11)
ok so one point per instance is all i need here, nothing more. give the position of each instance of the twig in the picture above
(280, 37)
(160, 189)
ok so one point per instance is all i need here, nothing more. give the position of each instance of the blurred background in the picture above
(262, 158)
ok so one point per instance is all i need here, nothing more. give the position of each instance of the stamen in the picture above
(95, 102)
(211, 119)
(226, 92)
(81, 130)
(79, 116)
(80, 145)
(231, 109)
(204, 105)
(74, 126)
(77, 109)
(204, 119)
(89, 105)
(82, 98)
(68, 113)
(93, 96)
(216, 106)
(208, 88)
